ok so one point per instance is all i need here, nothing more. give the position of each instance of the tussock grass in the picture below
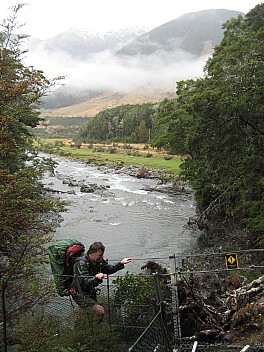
(137, 154)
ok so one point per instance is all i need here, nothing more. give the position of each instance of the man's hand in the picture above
(126, 260)
(100, 276)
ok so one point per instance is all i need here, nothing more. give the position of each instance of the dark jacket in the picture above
(85, 272)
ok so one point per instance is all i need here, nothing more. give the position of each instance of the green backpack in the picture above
(62, 255)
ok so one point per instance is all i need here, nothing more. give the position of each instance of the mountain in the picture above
(191, 33)
(129, 60)
(80, 44)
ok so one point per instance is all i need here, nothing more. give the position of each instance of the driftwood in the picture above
(48, 189)
(243, 295)
(209, 318)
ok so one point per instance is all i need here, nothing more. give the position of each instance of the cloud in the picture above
(105, 71)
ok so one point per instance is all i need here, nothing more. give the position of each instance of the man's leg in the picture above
(100, 311)
(87, 301)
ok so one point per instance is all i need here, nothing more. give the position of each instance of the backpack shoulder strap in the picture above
(81, 260)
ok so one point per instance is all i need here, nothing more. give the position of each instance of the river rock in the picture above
(98, 189)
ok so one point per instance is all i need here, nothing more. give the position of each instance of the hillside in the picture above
(92, 106)
(194, 33)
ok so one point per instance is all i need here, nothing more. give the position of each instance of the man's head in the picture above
(96, 252)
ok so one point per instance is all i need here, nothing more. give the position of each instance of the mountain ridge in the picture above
(150, 63)
(194, 27)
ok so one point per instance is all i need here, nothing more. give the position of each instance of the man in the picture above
(89, 273)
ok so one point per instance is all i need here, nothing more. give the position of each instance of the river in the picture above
(128, 219)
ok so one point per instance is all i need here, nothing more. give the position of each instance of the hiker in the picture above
(89, 271)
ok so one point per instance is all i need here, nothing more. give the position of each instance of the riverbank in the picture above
(136, 160)
(116, 154)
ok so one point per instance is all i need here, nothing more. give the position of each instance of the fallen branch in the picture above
(47, 189)
(240, 297)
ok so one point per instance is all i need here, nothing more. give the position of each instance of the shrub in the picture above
(45, 333)
(112, 150)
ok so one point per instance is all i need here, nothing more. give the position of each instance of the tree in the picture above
(143, 132)
(229, 104)
(27, 213)
(128, 123)
(20, 90)
(170, 127)
(220, 121)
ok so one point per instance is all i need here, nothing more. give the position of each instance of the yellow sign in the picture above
(231, 261)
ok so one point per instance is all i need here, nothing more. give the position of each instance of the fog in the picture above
(107, 71)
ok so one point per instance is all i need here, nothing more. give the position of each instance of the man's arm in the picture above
(111, 269)
(126, 260)
(86, 280)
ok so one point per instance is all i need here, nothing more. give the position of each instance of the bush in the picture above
(82, 335)
(99, 150)
(112, 150)
(39, 333)
(59, 143)
(168, 157)
(45, 333)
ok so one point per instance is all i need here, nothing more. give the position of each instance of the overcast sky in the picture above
(45, 18)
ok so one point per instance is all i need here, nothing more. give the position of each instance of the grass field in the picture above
(128, 154)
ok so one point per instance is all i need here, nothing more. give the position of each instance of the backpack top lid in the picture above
(73, 251)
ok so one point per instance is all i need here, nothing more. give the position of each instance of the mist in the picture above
(106, 71)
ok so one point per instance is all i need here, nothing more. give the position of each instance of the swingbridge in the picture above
(159, 312)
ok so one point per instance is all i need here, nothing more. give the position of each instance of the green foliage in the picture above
(45, 333)
(27, 213)
(85, 334)
(218, 122)
(134, 300)
(169, 128)
(128, 123)
(136, 288)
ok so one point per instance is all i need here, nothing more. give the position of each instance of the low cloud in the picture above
(105, 71)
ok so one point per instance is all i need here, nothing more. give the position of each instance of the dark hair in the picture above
(95, 247)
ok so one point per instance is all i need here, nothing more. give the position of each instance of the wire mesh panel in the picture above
(130, 305)
(154, 338)
(127, 308)
(202, 347)
(60, 307)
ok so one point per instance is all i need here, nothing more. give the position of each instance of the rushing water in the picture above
(128, 219)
